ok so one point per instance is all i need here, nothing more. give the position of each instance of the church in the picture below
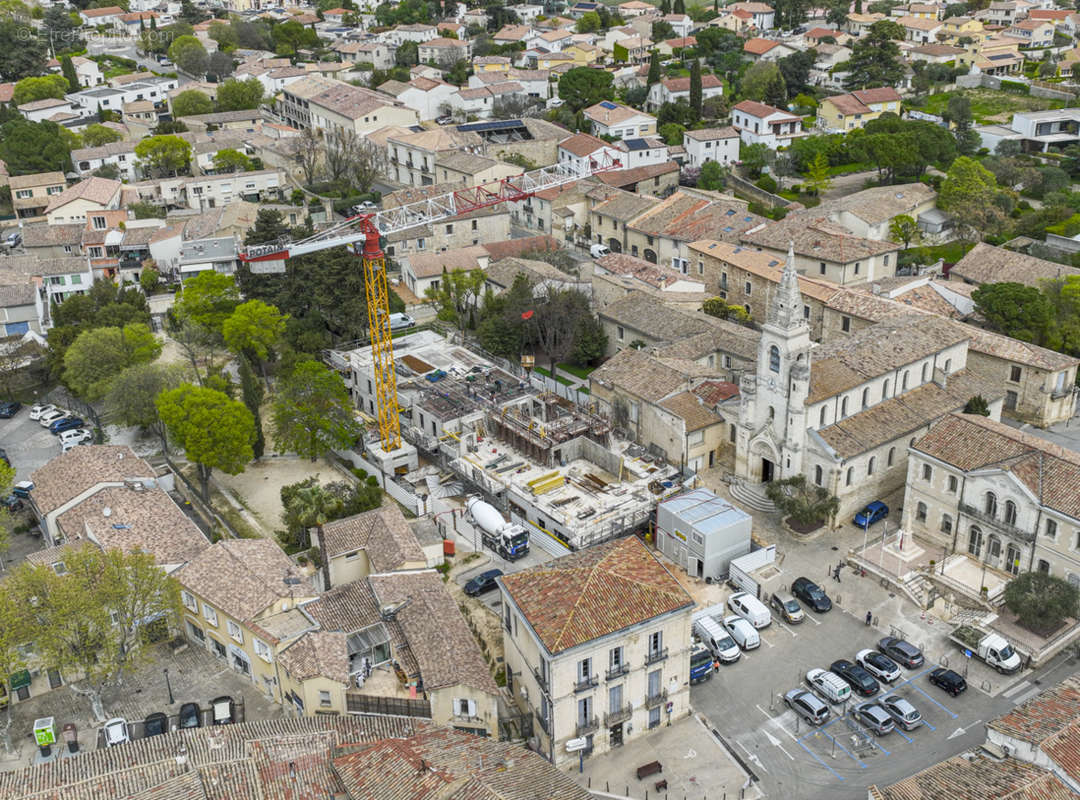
(844, 413)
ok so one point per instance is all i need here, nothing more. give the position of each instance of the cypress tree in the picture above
(67, 69)
(253, 393)
(654, 71)
(695, 87)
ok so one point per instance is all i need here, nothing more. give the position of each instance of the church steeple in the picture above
(786, 310)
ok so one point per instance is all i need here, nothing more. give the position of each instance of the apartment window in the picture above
(821, 418)
(821, 267)
(99, 223)
(927, 473)
(946, 523)
(419, 244)
(850, 476)
(817, 475)
(925, 372)
(920, 512)
(235, 632)
(748, 288)
(584, 669)
(845, 324)
(858, 265)
(1010, 512)
(324, 699)
(474, 227)
(886, 261)
(76, 280)
(96, 252)
(727, 362)
(262, 650)
(195, 631)
(1051, 529)
(990, 504)
(892, 455)
(615, 658)
(619, 332)
(22, 194)
(953, 482)
(696, 438)
(464, 707)
(903, 382)
(189, 601)
(355, 554)
(656, 642)
(1014, 374)
(843, 408)
(806, 312)
(209, 614)
(450, 228)
(701, 268)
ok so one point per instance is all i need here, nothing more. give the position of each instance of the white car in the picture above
(49, 417)
(116, 732)
(75, 436)
(742, 632)
(878, 664)
(38, 410)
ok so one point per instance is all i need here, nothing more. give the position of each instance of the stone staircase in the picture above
(752, 496)
(918, 588)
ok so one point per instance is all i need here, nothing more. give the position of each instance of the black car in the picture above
(948, 680)
(861, 681)
(223, 711)
(484, 582)
(157, 724)
(190, 716)
(9, 408)
(903, 653)
(811, 594)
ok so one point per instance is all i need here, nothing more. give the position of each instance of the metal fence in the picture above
(387, 706)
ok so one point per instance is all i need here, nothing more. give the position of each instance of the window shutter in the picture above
(472, 708)
(457, 705)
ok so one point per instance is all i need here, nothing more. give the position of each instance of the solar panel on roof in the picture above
(730, 213)
(636, 144)
(773, 263)
(608, 105)
(729, 229)
(496, 125)
(748, 219)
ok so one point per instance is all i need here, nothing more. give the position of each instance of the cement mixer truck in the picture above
(508, 539)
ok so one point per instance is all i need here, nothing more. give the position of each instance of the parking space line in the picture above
(794, 738)
(928, 725)
(816, 758)
(904, 736)
(786, 628)
(935, 702)
(807, 615)
(837, 743)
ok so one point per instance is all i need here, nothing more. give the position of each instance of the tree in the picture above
(654, 71)
(96, 135)
(803, 502)
(232, 160)
(711, 177)
(251, 393)
(224, 34)
(308, 504)
(31, 147)
(661, 31)
(164, 155)
(313, 506)
(239, 95)
(695, 87)
(875, 59)
(207, 300)
(407, 55)
(254, 330)
(14, 632)
(968, 193)
(215, 432)
(904, 230)
(30, 89)
(91, 621)
(270, 226)
(189, 55)
(590, 342)
(818, 181)
(559, 316)
(582, 87)
(67, 69)
(754, 157)
(795, 69)
(98, 355)
(589, 22)
(977, 405)
(144, 210)
(288, 37)
(1019, 311)
(220, 65)
(131, 396)
(1041, 601)
(313, 413)
(190, 103)
(958, 114)
(22, 52)
(60, 31)
(672, 133)
(763, 82)
(456, 296)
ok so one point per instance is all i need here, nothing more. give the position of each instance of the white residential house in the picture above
(423, 95)
(88, 72)
(585, 152)
(682, 24)
(48, 108)
(763, 14)
(618, 120)
(671, 90)
(643, 152)
(414, 33)
(757, 122)
(711, 144)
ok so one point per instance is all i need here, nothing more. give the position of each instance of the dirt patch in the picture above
(258, 488)
(483, 621)
(802, 528)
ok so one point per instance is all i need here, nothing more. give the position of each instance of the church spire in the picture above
(786, 310)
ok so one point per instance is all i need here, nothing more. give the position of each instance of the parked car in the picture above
(902, 652)
(13, 239)
(788, 607)
(116, 732)
(742, 632)
(22, 489)
(224, 711)
(156, 724)
(484, 582)
(38, 410)
(599, 250)
(861, 681)
(66, 424)
(12, 503)
(811, 594)
(874, 512)
(75, 435)
(190, 716)
(9, 408)
(807, 705)
(831, 686)
(948, 680)
(880, 666)
(903, 713)
(874, 717)
(750, 608)
(399, 322)
(65, 446)
(49, 417)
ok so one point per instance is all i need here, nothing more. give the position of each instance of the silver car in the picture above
(807, 705)
(903, 713)
(874, 717)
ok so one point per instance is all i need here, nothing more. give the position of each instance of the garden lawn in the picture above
(990, 105)
(574, 369)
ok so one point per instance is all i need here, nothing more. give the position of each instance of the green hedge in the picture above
(1015, 87)
(1069, 227)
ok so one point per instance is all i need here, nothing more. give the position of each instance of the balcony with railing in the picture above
(653, 700)
(617, 671)
(656, 656)
(586, 683)
(990, 519)
(542, 681)
(587, 726)
(619, 715)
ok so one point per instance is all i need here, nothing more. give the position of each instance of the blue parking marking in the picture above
(822, 730)
(814, 755)
(912, 680)
(899, 730)
(935, 702)
(928, 725)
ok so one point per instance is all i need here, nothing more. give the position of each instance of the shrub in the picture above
(1015, 87)
(766, 182)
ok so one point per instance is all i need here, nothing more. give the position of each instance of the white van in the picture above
(829, 685)
(742, 632)
(599, 250)
(750, 608)
(716, 639)
(399, 322)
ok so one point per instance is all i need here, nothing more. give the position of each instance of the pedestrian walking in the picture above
(836, 574)
(869, 618)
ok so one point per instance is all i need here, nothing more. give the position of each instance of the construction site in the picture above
(550, 465)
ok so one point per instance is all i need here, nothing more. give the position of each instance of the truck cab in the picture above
(996, 651)
(701, 663)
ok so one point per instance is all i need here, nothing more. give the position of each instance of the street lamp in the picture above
(168, 686)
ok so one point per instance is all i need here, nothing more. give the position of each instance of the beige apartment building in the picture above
(620, 670)
(30, 194)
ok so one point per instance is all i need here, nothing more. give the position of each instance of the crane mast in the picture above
(362, 234)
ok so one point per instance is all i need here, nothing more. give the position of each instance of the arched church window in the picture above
(774, 358)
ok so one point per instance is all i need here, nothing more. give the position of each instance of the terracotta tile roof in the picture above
(721, 335)
(645, 271)
(429, 265)
(96, 190)
(650, 316)
(761, 111)
(690, 217)
(758, 46)
(48, 102)
(904, 415)
(624, 206)
(42, 234)
(583, 144)
(71, 474)
(1044, 718)
(693, 411)
(877, 204)
(613, 116)
(437, 633)
(37, 179)
(976, 777)
(102, 12)
(317, 654)
(816, 237)
(382, 533)
(764, 264)
(709, 81)
(712, 134)
(716, 392)
(919, 24)
(242, 577)
(639, 374)
(124, 519)
(985, 263)
(603, 589)
(1052, 473)
(630, 177)
(34, 265)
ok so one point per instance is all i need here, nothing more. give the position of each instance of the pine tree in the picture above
(153, 23)
(665, 6)
(654, 71)
(253, 393)
(858, 6)
(679, 7)
(695, 87)
(67, 68)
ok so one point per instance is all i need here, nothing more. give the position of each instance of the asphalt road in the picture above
(744, 703)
